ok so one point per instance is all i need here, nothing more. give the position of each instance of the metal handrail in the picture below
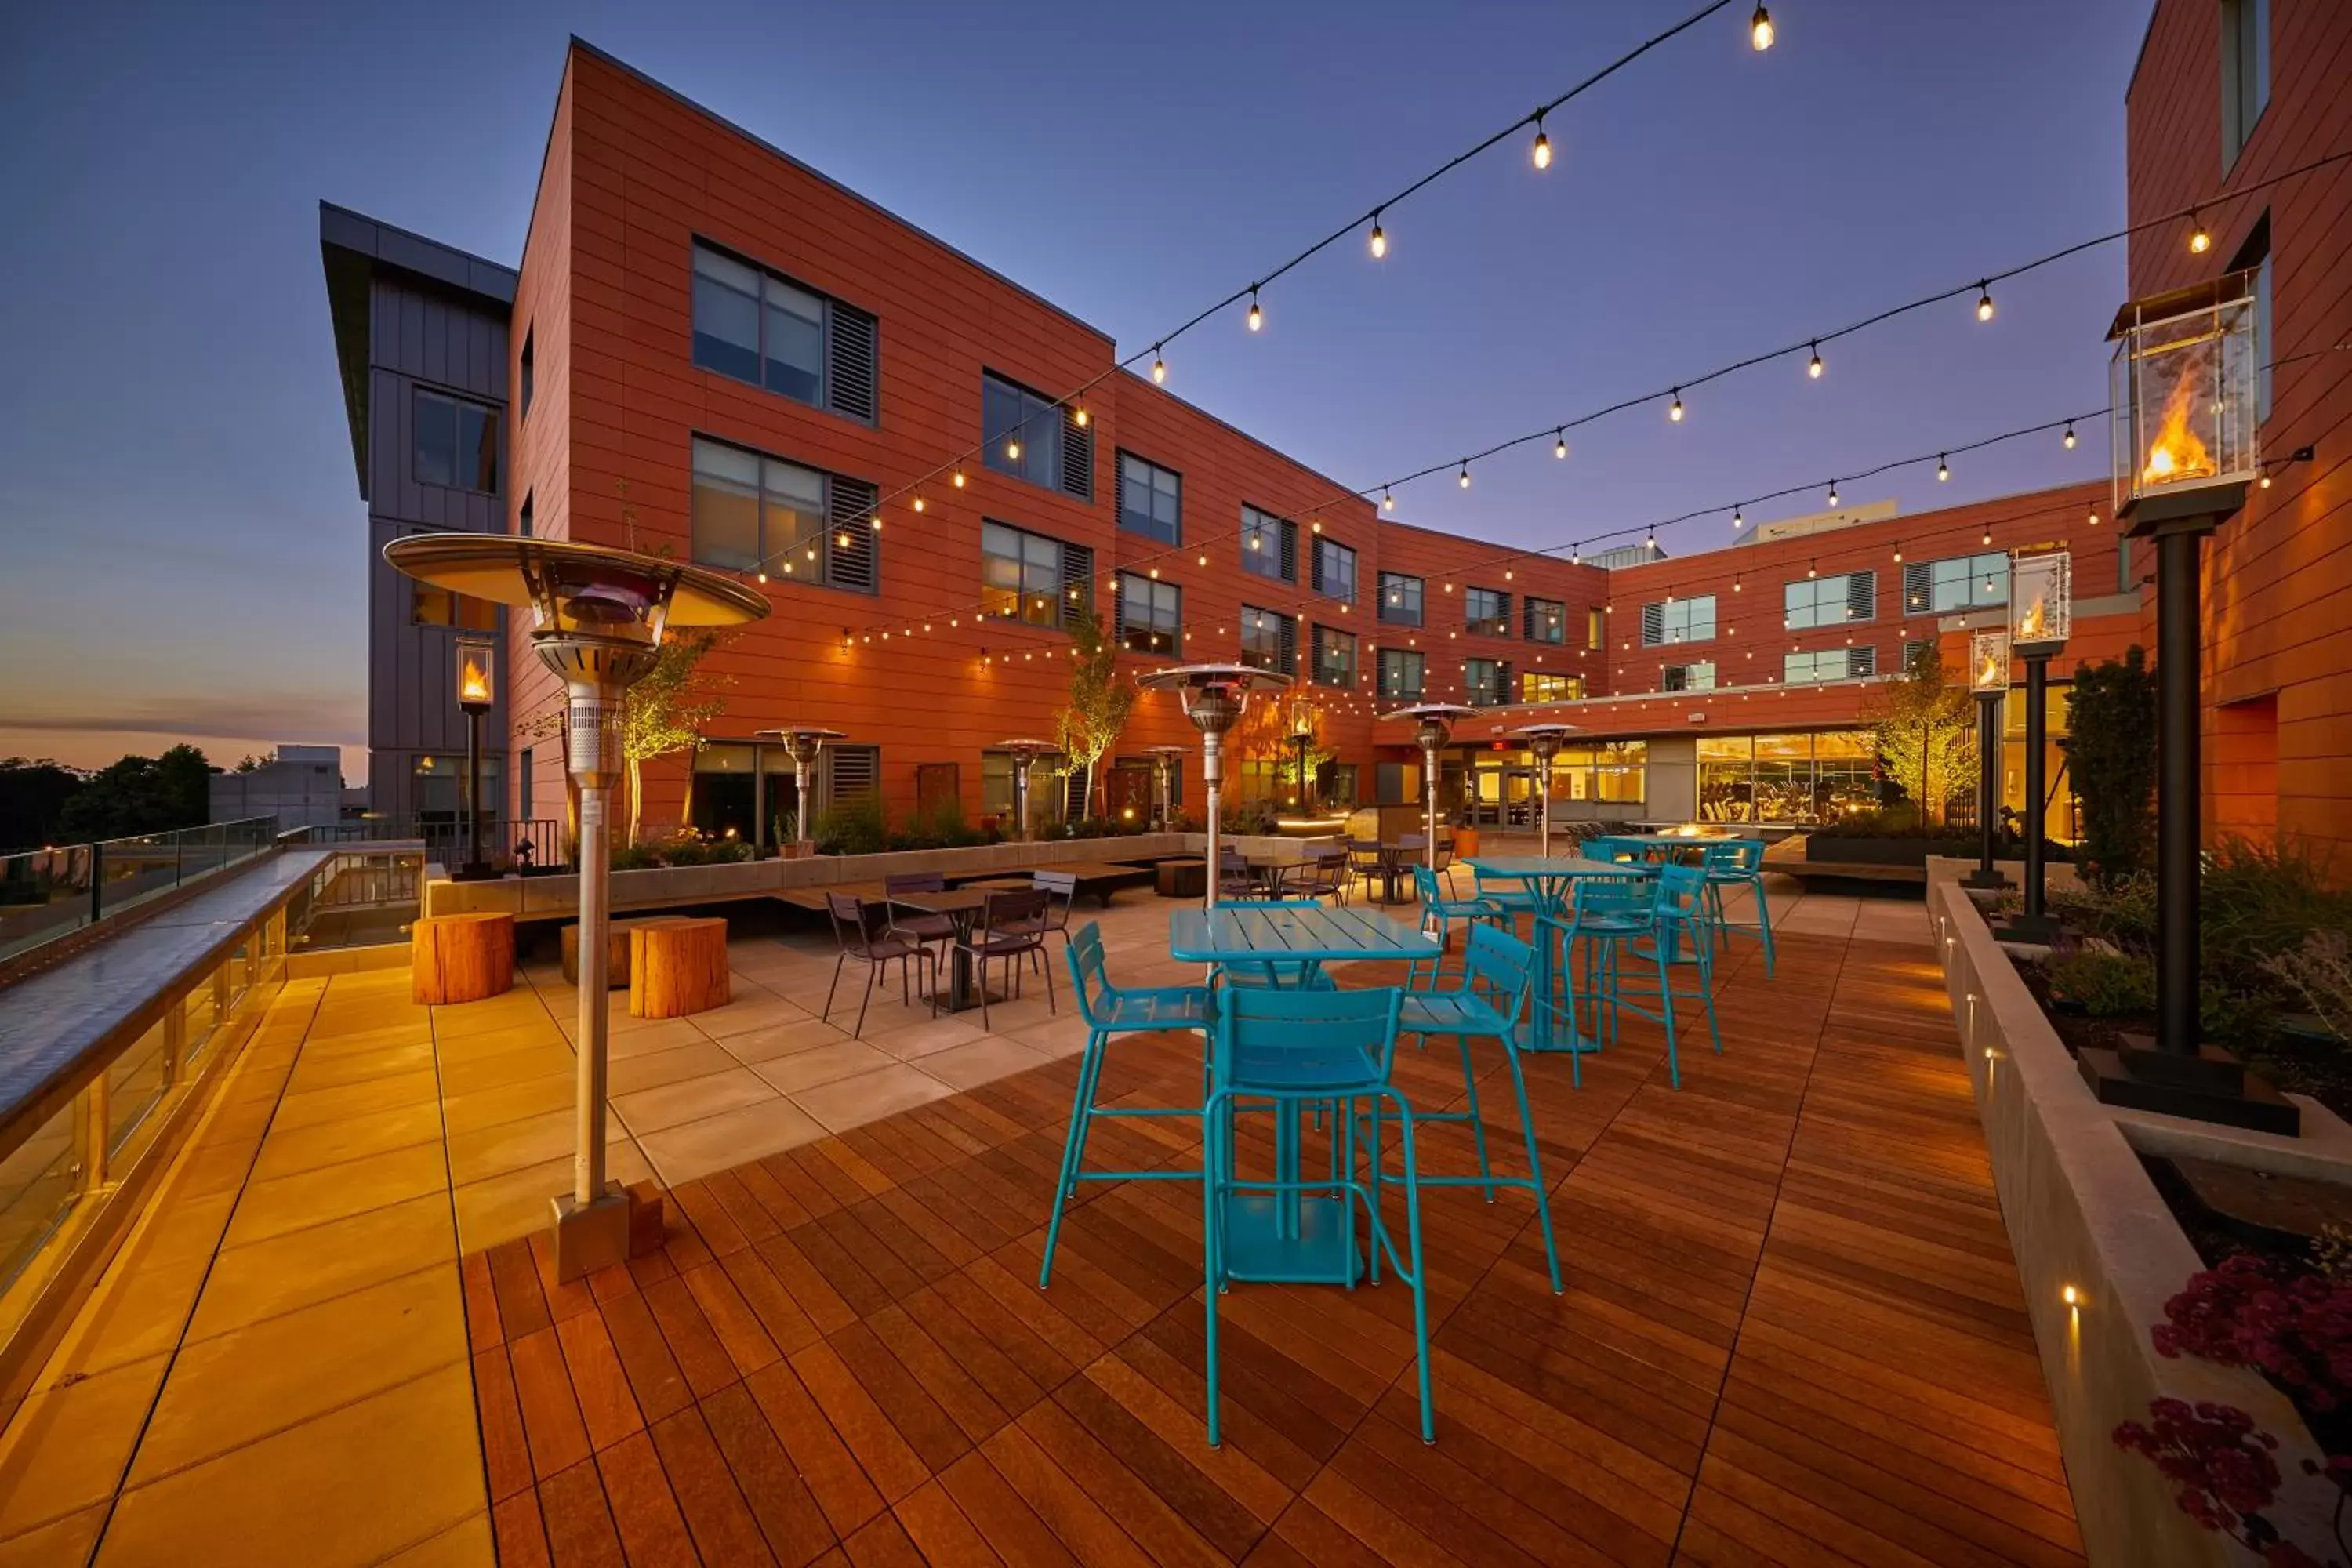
(51, 893)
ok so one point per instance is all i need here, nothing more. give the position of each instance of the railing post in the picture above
(176, 1044)
(91, 1135)
(97, 882)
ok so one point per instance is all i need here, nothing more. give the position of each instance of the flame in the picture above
(2177, 454)
(1991, 673)
(473, 683)
(2036, 617)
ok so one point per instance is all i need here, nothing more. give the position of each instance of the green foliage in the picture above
(140, 795)
(1088, 725)
(2320, 973)
(667, 711)
(2104, 984)
(2111, 752)
(1251, 816)
(939, 825)
(858, 826)
(685, 847)
(1923, 724)
(33, 796)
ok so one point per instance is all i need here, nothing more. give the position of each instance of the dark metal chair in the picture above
(916, 925)
(858, 940)
(1364, 866)
(1235, 878)
(1011, 925)
(1061, 891)
(1324, 875)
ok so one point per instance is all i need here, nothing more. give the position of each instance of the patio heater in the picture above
(476, 660)
(1544, 742)
(598, 616)
(2186, 440)
(1989, 681)
(1434, 726)
(804, 743)
(1165, 761)
(1215, 697)
(1023, 753)
(2040, 618)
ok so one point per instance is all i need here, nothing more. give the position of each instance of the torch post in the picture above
(2042, 614)
(475, 659)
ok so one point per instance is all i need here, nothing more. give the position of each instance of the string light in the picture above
(1813, 366)
(1943, 468)
(1833, 501)
(1560, 442)
(2095, 516)
(1080, 416)
(959, 478)
(1988, 535)
(1256, 316)
(918, 503)
(1380, 240)
(1810, 571)
(2200, 242)
(1543, 143)
(1159, 370)
(1739, 520)
(1984, 299)
(1650, 543)
(1760, 29)
(1465, 473)
(1012, 449)
(1675, 413)
(1388, 498)
(2069, 438)
(1898, 552)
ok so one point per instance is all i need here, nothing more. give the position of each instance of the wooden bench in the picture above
(1181, 879)
(460, 958)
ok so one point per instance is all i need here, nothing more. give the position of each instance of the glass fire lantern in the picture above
(2185, 381)
(476, 673)
(2041, 600)
(1989, 663)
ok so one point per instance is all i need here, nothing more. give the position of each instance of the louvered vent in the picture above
(851, 772)
(1862, 595)
(852, 548)
(1862, 661)
(1919, 587)
(1653, 624)
(1289, 560)
(852, 363)
(1289, 629)
(1077, 456)
(1077, 578)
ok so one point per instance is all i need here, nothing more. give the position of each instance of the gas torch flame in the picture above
(2177, 454)
(474, 683)
(2036, 617)
(1991, 673)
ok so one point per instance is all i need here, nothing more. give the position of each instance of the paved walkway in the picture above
(1791, 1329)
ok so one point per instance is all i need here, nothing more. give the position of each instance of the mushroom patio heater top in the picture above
(1214, 698)
(1165, 761)
(1023, 753)
(1434, 724)
(805, 744)
(1544, 741)
(598, 619)
(476, 661)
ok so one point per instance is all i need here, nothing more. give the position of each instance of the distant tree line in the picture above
(44, 801)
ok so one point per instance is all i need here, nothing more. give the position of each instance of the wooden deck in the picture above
(1792, 1334)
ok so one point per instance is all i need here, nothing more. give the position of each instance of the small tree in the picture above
(2111, 750)
(666, 712)
(1922, 724)
(1266, 732)
(1099, 700)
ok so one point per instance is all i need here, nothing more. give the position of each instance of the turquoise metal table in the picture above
(1290, 1237)
(1549, 881)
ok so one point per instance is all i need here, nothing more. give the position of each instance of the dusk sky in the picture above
(184, 542)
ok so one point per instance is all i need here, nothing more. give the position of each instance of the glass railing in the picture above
(48, 893)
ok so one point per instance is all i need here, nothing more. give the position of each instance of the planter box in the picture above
(1843, 851)
(2082, 1214)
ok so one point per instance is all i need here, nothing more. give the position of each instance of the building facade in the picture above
(719, 352)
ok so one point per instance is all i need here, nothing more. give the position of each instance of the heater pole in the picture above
(1988, 874)
(474, 866)
(2037, 713)
(1212, 775)
(2179, 805)
(1429, 794)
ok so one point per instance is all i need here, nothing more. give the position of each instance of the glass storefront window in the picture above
(1727, 787)
(1620, 772)
(725, 791)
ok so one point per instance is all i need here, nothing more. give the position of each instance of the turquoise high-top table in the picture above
(1289, 1238)
(1549, 881)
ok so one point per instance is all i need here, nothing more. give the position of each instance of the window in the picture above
(2245, 73)
(1046, 801)
(1596, 635)
(757, 327)
(527, 379)
(1828, 663)
(1785, 778)
(1335, 570)
(1400, 599)
(1486, 682)
(1030, 577)
(1620, 772)
(1678, 620)
(522, 516)
(1269, 545)
(1540, 688)
(2255, 254)
(1032, 437)
(757, 513)
(1151, 499)
(1698, 677)
(1401, 670)
(1544, 620)
(1335, 659)
(431, 607)
(1486, 612)
(1914, 651)
(1150, 614)
(1831, 601)
(1269, 639)
(457, 443)
(1962, 583)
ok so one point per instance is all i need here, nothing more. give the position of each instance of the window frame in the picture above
(1533, 609)
(2244, 23)
(1263, 562)
(826, 323)
(1401, 614)
(1058, 596)
(1816, 589)
(1036, 407)
(1322, 575)
(1175, 536)
(1497, 625)
(1404, 658)
(1150, 589)
(1971, 565)
(828, 527)
(1679, 621)
(494, 423)
(1321, 673)
(1280, 624)
(1695, 675)
(1494, 691)
(1568, 686)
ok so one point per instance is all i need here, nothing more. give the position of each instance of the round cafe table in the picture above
(962, 906)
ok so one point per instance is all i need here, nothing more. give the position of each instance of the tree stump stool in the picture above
(460, 958)
(617, 952)
(677, 967)
(1181, 879)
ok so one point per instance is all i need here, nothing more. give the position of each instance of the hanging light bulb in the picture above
(1650, 540)
(1984, 299)
(1834, 492)
(1898, 552)
(1159, 368)
(1204, 558)
(1735, 582)
(1810, 571)
(2095, 517)
(1388, 498)
(1987, 535)
(1739, 520)
(1463, 478)
(1256, 316)
(1560, 442)
(959, 478)
(1012, 449)
(1080, 416)
(918, 503)
(2266, 481)
(2200, 242)
(2070, 436)
(1543, 143)
(1576, 556)
(1943, 468)
(764, 577)
(1675, 412)
(1380, 240)
(1760, 29)
(1813, 366)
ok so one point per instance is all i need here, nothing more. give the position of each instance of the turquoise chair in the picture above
(1638, 849)
(1677, 936)
(1438, 913)
(1489, 1002)
(1110, 1010)
(1289, 1049)
(1605, 915)
(1271, 974)
(1739, 863)
(1511, 897)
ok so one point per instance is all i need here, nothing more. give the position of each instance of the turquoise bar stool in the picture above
(1271, 974)
(1511, 897)
(1290, 1049)
(1489, 1002)
(1110, 1010)
(1679, 936)
(1439, 913)
(1620, 846)
(1605, 916)
(1739, 863)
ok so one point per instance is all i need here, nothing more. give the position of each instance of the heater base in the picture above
(2212, 1086)
(589, 1236)
(1987, 882)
